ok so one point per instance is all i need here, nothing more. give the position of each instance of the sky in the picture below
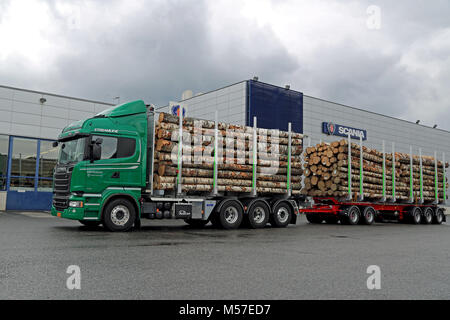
(390, 57)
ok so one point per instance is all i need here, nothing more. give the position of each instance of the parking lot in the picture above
(169, 260)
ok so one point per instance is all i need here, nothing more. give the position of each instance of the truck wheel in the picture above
(352, 217)
(427, 216)
(368, 216)
(258, 215)
(90, 223)
(119, 215)
(415, 215)
(281, 215)
(196, 223)
(313, 218)
(231, 215)
(439, 217)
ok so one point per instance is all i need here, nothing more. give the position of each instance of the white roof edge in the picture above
(56, 95)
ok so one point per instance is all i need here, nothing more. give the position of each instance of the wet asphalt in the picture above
(170, 260)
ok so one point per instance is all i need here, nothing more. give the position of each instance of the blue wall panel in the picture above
(28, 200)
(274, 107)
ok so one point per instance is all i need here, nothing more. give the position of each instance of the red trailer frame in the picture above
(332, 210)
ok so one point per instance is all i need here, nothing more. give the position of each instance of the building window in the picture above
(4, 146)
(48, 157)
(23, 164)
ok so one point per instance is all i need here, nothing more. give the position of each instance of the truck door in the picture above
(119, 165)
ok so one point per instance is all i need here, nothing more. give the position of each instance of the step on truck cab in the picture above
(104, 175)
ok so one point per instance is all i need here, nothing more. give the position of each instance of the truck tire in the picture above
(352, 217)
(415, 215)
(281, 215)
(90, 224)
(231, 215)
(314, 218)
(119, 215)
(196, 223)
(258, 215)
(427, 215)
(367, 216)
(438, 218)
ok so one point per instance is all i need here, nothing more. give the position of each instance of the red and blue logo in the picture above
(176, 111)
(330, 127)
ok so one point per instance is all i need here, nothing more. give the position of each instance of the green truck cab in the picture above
(102, 160)
(104, 176)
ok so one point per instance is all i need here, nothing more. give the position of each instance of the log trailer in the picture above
(354, 209)
(332, 210)
(105, 175)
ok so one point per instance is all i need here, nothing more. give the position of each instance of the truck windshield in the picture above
(72, 151)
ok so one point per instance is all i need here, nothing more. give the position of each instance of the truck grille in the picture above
(61, 188)
(60, 203)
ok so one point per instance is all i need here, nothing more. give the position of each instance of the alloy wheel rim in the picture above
(353, 216)
(283, 215)
(259, 215)
(417, 216)
(120, 215)
(231, 215)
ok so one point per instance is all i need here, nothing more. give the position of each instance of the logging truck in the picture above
(130, 162)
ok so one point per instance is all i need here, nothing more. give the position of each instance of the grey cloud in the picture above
(140, 59)
(374, 79)
(360, 78)
(159, 53)
(168, 46)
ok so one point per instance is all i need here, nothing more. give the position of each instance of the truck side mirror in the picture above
(55, 144)
(96, 151)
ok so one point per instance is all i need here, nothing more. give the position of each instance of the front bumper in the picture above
(69, 213)
(89, 211)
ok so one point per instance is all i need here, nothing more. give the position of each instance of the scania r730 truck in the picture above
(105, 171)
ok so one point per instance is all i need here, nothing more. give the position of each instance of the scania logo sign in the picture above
(330, 127)
(343, 131)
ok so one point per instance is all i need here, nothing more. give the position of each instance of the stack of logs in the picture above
(326, 173)
(235, 169)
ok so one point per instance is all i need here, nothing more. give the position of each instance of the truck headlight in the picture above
(76, 204)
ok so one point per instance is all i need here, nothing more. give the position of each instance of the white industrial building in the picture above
(318, 119)
(275, 106)
(29, 122)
